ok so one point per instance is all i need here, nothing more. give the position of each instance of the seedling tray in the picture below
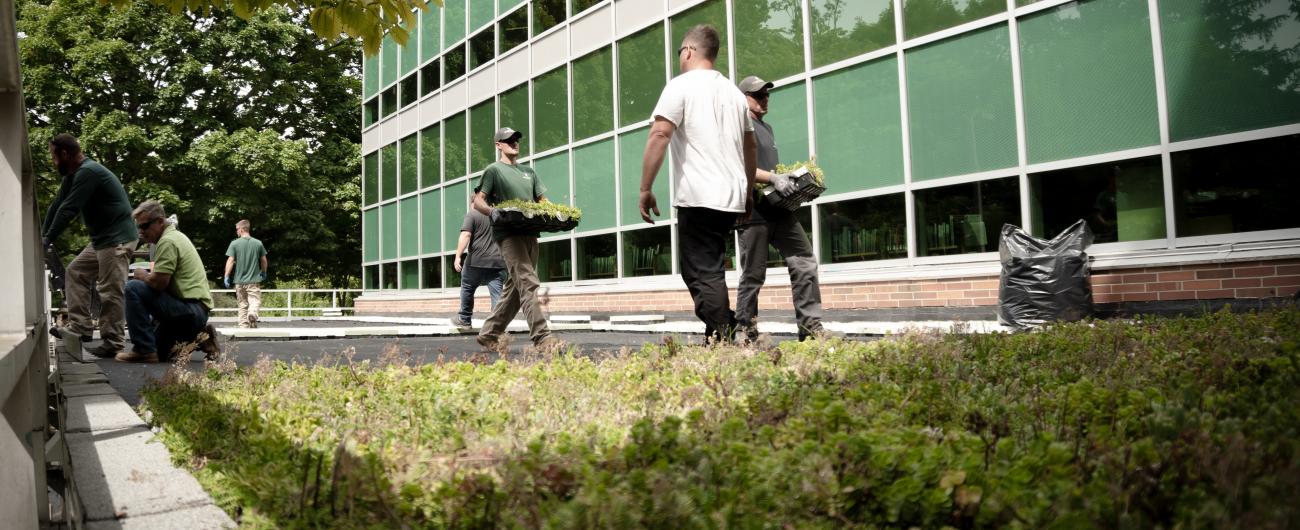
(805, 189)
(515, 220)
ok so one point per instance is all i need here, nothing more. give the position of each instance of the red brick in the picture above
(1257, 292)
(1283, 270)
(1240, 282)
(1280, 281)
(1213, 273)
(985, 284)
(900, 296)
(1129, 288)
(985, 301)
(1288, 291)
(1101, 289)
(1196, 285)
(1177, 295)
(956, 286)
(927, 296)
(1211, 294)
(1140, 297)
(1176, 276)
(1171, 268)
(1163, 286)
(1255, 272)
(1104, 279)
(1139, 278)
(1106, 298)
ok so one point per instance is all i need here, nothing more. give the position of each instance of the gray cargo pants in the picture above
(784, 232)
(105, 269)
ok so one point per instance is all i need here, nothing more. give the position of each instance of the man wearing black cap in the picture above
(701, 116)
(502, 181)
(775, 226)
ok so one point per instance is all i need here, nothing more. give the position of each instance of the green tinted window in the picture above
(859, 131)
(582, 5)
(429, 207)
(505, 5)
(769, 38)
(593, 85)
(449, 274)
(370, 277)
(411, 274)
(430, 33)
(410, 164)
(960, 104)
(547, 14)
(431, 273)
(844, 29)
(482, 48)
(454, 63)
(647, 252)
(454, 154)
(1121, 201)
(388, 231)
(388, 56)
(640, 74)
(430, 77)
(597, 256)
(631, 147)
(455, 204)
(430, 145)
(480, 13)
(513, 29)
(1089, 79)
(388, 275)
(389, 101)
(370, 231)
(388, 171)
(554, 172)
(551, 110)
(411, 51)
(713, 12)
(1240, 187)
(787, 113)
(965, 218)
(514, 114)
(864, 229)
(921, 17)
(555, 261)
(371, 173)
(482, 123)
(593, 183)
(410, 215)
(371, 80)
(1230, 66)
(453, 13)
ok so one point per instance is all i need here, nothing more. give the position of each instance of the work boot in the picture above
(210, 346)
(489, 342)
(460, 324)
(103, 351)
(133, 356)
(550, 344)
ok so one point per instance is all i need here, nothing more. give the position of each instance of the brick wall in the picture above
(1256, 279)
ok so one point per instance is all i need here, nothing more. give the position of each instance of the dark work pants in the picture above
(702, 246)
(471, 278)
(158, 320)
(783, 231)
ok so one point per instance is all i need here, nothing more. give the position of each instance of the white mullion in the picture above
(731, 46)
(1018, 95)
(1162, 114)
(1232, 138)
(909, 208)
(618, 166)
(809, 110)
(960, 29)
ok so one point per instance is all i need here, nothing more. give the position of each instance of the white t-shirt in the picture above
(708, 147)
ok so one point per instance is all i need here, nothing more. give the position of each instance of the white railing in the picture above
(310, 302)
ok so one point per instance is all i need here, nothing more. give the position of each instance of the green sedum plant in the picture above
(1182, 422)
(549, 209)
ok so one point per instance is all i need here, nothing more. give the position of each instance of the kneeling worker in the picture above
(168, 305)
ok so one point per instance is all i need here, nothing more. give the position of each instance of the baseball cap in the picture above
(506, 133)
(754, 83)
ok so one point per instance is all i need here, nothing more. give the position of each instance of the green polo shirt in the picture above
(502, 182)
(174, 254)
(94, 193)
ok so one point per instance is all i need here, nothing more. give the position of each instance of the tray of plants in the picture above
(808, 180)
(528, 216)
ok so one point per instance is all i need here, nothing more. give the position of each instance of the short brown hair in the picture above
(243, 224)
(66, 143)
(705, 40)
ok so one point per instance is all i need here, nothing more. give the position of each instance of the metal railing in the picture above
(281, 302)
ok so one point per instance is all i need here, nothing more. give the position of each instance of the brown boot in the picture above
(210, 346)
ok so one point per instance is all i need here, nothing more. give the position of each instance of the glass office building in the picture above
(1171, 126)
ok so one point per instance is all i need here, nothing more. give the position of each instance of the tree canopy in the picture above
(220, 117)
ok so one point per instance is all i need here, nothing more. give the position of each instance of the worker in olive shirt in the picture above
(502, 181)
(168, 305)
(775, 226)
(93, 192)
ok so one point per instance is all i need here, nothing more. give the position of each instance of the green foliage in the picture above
(548, 208)
(1188, 422)
(219, 117)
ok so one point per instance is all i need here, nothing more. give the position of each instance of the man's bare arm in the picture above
(480, 204)
(661, 134)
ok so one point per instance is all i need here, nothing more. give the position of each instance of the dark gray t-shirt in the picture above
(483, 251)
(767, 161)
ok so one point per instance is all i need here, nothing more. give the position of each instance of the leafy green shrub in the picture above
(1188, 422)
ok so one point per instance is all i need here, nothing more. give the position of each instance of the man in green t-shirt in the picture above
(246, 257)
(168, 306)
(505, 180)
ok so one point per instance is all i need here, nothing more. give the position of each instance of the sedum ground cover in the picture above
(1186, 423)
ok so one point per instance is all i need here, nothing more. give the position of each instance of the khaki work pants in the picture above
(520, 253)
(249, 296)
(106, 269)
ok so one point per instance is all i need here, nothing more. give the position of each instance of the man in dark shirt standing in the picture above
(93, 192)
(775, 226)
(482, 264)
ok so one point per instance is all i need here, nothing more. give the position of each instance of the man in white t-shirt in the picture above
(705, 119)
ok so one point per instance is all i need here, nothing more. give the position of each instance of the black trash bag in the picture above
(1044, 281)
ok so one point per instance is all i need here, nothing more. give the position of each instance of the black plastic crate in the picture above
(513, 220)
(806, 189)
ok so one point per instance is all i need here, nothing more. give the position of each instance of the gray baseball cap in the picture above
(506, 133)
(754, 83)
